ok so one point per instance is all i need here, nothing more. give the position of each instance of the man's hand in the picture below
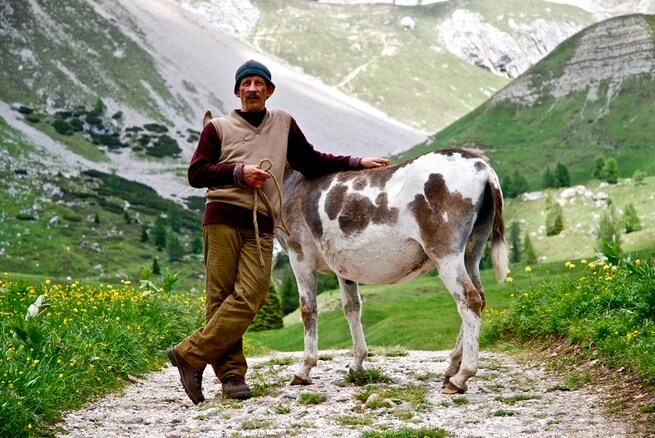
(254, 177)
(373, 162)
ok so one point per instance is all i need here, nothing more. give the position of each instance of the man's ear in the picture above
(270, 89)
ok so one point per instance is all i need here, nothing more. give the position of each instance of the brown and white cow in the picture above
(392, 224)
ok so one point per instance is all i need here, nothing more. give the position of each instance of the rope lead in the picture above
(257, 193)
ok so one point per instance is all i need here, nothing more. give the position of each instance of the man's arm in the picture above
(203, 170)
(302, 156)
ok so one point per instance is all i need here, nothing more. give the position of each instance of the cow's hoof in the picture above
(300, 381)
(449, 388)
(355, 370)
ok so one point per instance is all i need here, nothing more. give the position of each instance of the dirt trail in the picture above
(504, 400)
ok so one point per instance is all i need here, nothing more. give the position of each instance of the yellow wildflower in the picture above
(528, 269)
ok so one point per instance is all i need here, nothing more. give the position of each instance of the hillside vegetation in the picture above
(93, 226)
(410, 74)
(594, 95)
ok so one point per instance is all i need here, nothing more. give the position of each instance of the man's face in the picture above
(253, 92)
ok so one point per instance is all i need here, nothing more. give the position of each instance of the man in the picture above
(226, 162)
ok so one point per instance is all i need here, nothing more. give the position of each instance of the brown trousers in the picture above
(236, 287)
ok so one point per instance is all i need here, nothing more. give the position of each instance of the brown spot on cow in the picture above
(381, 176)
(309, 204)
(357, 212)
(465, 153)
(334, 200)
(474, 300)
(430, 215)
(480, 166)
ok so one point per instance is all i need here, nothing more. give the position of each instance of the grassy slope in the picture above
(363, 51)
(77, 246)
(100, 61)
(418, 315)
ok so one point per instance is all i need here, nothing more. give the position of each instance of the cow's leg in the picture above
(455, 359)
(306, 280)
(469, 305)
(473, 255)
(351, 304)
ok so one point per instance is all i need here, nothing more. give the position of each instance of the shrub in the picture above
(62, 127)
(155, 127)
(78, 343)
(611, 171)
(631, 220)
(164, 146)
(270, 315)
(554, 220)
(606, 308)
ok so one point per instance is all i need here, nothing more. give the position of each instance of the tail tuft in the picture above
(498, 243)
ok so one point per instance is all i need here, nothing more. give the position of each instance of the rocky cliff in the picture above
(599, 60)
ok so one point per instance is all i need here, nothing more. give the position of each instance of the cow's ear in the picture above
(206, 118)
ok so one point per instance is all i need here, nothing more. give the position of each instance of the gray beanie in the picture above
(252, 68)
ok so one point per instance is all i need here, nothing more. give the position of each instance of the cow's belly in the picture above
(381, 261)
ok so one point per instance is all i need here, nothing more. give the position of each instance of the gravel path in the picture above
(504, 400)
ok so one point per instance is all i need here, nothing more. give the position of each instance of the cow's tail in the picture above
(498, 243)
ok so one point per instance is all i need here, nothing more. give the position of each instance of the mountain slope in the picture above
(453, 57)
(594, 94)
(152, 63)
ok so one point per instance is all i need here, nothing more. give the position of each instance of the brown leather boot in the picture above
(235, 387)
(190, 377)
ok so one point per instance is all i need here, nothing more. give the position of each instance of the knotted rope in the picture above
(257, 193)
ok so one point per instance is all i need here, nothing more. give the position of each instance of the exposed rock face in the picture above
(467, 35)
(606, 53)
(609, 52)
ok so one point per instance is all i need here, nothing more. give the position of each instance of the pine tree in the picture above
(515, 242)
(196, 245)
(144, 234)
(611, 171)
(562, 177)
(174, 248)
(529, 256)
(159, 232)
(270, 315)
(609, 230)
(289, 294)
(507, 186)
(599, 168)
(155, 266)
(174, 215)
(554, 220)
(548, 180)
(520, 183)
(631, 220)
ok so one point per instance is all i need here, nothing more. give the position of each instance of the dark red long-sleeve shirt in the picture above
(301, 155)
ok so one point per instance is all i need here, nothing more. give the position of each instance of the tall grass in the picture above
(605, 308)
(62, 344)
